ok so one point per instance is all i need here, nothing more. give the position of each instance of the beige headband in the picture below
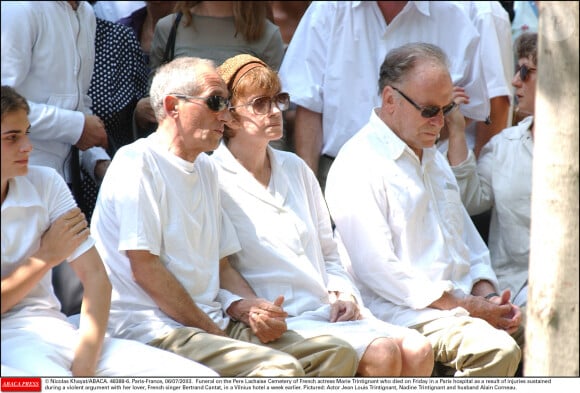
(234, 68)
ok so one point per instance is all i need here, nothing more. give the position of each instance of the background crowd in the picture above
(266, 188)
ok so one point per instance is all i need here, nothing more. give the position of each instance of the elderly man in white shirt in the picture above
(159, 225)
(41, 228)
(415, 253)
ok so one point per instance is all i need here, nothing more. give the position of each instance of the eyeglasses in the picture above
(430, 110)
(263, 105)
(524, 71)
(214, 103)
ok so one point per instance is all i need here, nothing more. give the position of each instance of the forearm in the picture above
(308, 136)
(457, 150)
(21, 281)
(499, 114)
(93, 325)
(232, 280)
(168, 293)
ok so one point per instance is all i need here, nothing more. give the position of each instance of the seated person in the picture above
(42, 227)
(277, 208)
(287, 246)
(416, 255)
(501, 179)
(159, 225)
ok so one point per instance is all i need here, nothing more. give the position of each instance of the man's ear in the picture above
(388, 98)
(171, 105)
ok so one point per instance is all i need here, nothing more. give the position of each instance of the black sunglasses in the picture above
(524, 71)
(430, 110)
(214, 103)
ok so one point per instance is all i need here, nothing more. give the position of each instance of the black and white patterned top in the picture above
(119, 81)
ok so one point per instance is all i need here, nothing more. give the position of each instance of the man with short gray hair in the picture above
(416, 256)
(159, 226)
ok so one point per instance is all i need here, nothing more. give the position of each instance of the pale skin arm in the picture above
(308, 136)
(64, 235)
(94, 311)
(265, 318)
(455, 128)
(168, 293)
(499, 113)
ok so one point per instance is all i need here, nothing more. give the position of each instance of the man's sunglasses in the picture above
(214, 103)
(430, 110)
(524, 71)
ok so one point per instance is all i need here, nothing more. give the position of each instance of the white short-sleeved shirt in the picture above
(501, 179)
(402, 221)
(33, 203)
(332, 63)
(153, 200)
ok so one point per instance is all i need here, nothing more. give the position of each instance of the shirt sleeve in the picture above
(60, 200)
(474, 180)
(302, 70)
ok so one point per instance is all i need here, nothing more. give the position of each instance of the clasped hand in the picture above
(343, 307)
(497, 311)
(266, 319)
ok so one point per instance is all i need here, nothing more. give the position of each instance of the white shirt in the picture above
(408, 235)
(332, 63)
(525, 19)
(115, 10)
(502, 180)
(494, 27)
(288, 247)
(286, 236)
(33, 203)
(153, 200)
(48, 53)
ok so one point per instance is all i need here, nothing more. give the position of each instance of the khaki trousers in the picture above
(472, 347)
(243, 355)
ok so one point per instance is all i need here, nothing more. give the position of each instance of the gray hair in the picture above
(400, 61)
(179, 76)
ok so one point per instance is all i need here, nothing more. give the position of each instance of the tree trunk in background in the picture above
(552, 317)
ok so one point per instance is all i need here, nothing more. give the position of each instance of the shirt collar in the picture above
(393, 145)
(422, 6)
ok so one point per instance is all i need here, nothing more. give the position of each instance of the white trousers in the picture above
(44, 346)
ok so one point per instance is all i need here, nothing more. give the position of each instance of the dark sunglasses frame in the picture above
(276, 100)
(524, 71)
(430, 110)
(214, 103)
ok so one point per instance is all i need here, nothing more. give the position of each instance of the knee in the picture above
(382, 358)
(511, 355)
(418, 356)
(342, 359)
(282, 365)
